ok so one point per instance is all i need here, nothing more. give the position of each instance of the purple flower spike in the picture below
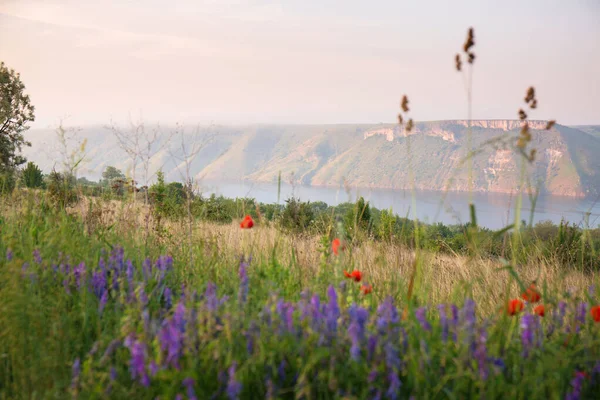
(234, 387)
(356, 329)
(394, 387)
(189, 387)
(332, 310)
(168, 298)
(210, 297)
(481, 354)
(103, 301)
(76, 370)
(37, 257)
(576, 384)
(98, 283)
(244, 284)
(387, 315)
(137, 364)
(421, 314)
(9, 254)
(443, 322)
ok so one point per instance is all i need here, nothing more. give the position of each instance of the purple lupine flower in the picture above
(9, 254)
(113, 374)
(168, 296)
(76, 370)
(281, 372)
(153, 368)
(210, 297)
(332, 310)
(79, 273)
(233, 386)
(137, 364)
(480, 354)
(24, 267)
(443, 321)
(179, 396)
(103, 301)
(243, 290)
(251, 333)
(392, 357)
(387, 315)
(315, 311)
(98, 283)
(394, 387)
(37, 256)
(576, 384)
(356, 329)
(580, 314)
(421, 314)
(527, 333)
(171, 342)
(372, 376)
(468, 320)
(142, 296)
(189, 387)
(304, 305)
(371, 346)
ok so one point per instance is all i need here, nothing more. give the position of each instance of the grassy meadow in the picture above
(112, 299)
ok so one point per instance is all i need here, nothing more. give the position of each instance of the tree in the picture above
(110, 173)
(32, 176)
(15, 112)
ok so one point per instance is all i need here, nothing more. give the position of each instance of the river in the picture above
(494, 210)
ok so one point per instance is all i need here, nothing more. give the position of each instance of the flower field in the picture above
(111, 322)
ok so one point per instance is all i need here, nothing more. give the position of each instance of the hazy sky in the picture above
(300, 61)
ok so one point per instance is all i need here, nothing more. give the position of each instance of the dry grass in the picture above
(443, 277)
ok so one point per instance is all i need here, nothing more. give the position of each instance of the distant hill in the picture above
(368, 155)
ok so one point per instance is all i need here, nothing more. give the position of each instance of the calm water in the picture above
(493, 209)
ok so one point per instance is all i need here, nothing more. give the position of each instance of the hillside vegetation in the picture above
(370, 155)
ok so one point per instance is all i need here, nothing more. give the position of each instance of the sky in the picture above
(300, 61)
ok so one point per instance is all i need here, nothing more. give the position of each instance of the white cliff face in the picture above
(502, 124)
(387, 132)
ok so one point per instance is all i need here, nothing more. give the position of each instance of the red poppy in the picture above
(540, 310)
(515, 306)
(247, 223)
(595, 312)
(335, 245)
(366, 289)
(531, 294)
(355, 275)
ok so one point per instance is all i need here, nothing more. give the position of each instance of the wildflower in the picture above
(387, 315)
(580, 312)
(366, 289)
(539, 310)
(576, 384)
(356, 329)
(354, 275)
(335, 246)
(531, 294)
(443, 321)
(76, 370)
(103, 301)
(527, 333)
(480, 354)
(247, 222)
(98, 283)
(243, 274)
(137, 363)
(189, 386)
(9, 254)
(210, 297)
(332, 310)
(468, 321)
(394, 387)
(420, 313)
(37, 257)
(595, 313)
(168, 298)
(371, 346)
(233, 387)
(515, 306)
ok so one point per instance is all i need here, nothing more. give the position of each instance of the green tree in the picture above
(32, 176)
(16, 112)
(111, 173)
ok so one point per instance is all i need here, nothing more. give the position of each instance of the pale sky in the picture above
(300, 61)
